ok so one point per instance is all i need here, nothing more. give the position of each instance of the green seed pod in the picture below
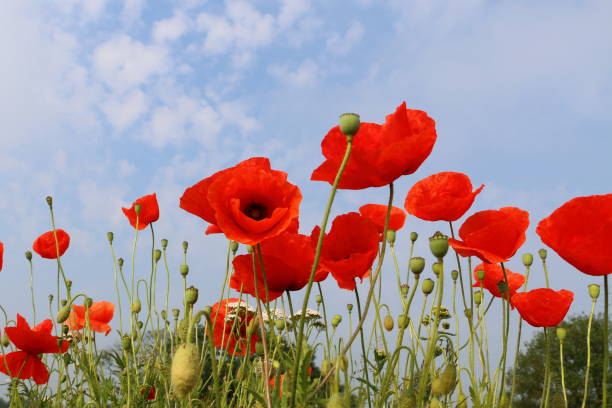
(157, 255)
(185, 370)
(349, 124)
(28, 255)
(184, 270)
(191, 295)
(207, 310)
(480, 274)
(436, 268)
(5, 340)
(318, 299)
(63, 314)
(139, 324)
(542, 252)
(234, 246)
(276, 364)
(478, 297)
(63, 302)
(468, 313)
(88, 302)
(425, 321)
(445, 325)
(402, 321)
(136, 306)
(126, 343)
(336, 320)
(259, 348)
(391, 237)
(561, 333)
(280, 324)
(438, 244)
(404, 289)
(250, 249)
(427, 286)
(417, 265)
(110, 236)
(454, 274)
(175, 313)
(49, 201)
(349, 307)
(164, 243)
(527, 259)
(185, 246)
(594, 290)
(413, 236)
(120, 262)
(388, 323)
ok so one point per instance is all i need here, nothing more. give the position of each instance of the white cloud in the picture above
(305, 74)
(124, 110)
(132, 10)
(170, 29)
(343, 44)
(292, 10)
(123, 62)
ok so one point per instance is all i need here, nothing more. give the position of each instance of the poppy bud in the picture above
(250, 249)
(139, 324)
(276, 364)
(388, 323)
(336, 320)
(207, 310)
(137, 208)
(110, 236)
(185, 246)
(68, 284)
(50, 298)
(28, 255)
(436, 268)
(63, 302)
(318, 299)
(445, 383)
(5, 340)
(191, 295)
(404, 289)
(480, 274)
(502, 287)
(380, 355)
(349, 124)
(63, 314)
(594, 291)
(280, 324)
(542, 252)
(478, 297)
(342, 362)
(234, 246)
(417, 265)
(445, 325)
(527, 259)
(349, 307)
(185, 370)
(88, 302)
(184, 270)
(427, 286)
(49, 200)
(391, 237)
(157, 255)
(468, 313)
(136, 306)
(163, 314)
(402, 321)
(259, 348)
(438, 244)
(425, 320)
(175, 313)
(67, 359)
(120, 262)
(561, 333)
(454, 274)
(164, 243)
(413, 236)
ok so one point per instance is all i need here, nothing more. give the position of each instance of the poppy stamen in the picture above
(255, 211)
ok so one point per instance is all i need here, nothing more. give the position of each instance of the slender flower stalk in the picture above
(606, 364)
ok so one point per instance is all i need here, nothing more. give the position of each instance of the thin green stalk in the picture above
(518, 343)
(506, 319)
(365, 357)
(547, 373)
(604, 381)
(562, 372)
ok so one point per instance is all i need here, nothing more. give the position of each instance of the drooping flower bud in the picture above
(157, 255)
(336, 320)
(110, 236)
(136, 306)
(561, 333)
(402, 321)
(478, 297)
(413, 236)
(342, 362)
(380, 355)
(250, 249)
(388, 322)
(5, 340)
(120, 262)
(49, 201)
(349, 124)
(259, 348)
(391, 237)
(438, 244)
(175, 313)
(139, 324)
(427, 286)
(468, 313)
(207, 310)
(594, 291)
(63, 314)
(185, 370)
(527, 259)
(88, 302)
(28, 255)
(164, 243)
(445, 383)
(126, 343)
(63, 302)
(191, 295)
(185, 246)
(542, 252)
(417, 265)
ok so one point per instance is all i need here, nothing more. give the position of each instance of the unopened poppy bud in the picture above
(438, 244)
(561, 333)
(163, 314)
(50, 298)
(413, 236)
(185, 370)
(336, 320)
(402, 321)
(207, 310)
(157, 255)
(184, 270)
(164, 243)
(175, 313)
(380, 355)
(276, 364)
(110, 236)
(391, 237)
(234, 246)
(349, 124)
(5, 340)
(49, 200)
(28, 255)
(139, 324)
(436, 268)
(120, 262)
(527, 259)
(445, 325)
(191, 295)
(404, 289)
(480, 274)
(63, 302)
(68, 284)
(542, 252)
(445, 383)
(137, 208)
(126, 343)
(388, 322)
(280, 324)
(185, 246)
(349, 307)
(425, 320)
(250, 249)
(318, 299)
(88, 302)
(136, 306)
(259, 348)
(427, 286)
(502, 287)
(417, 265)
(468, 313)
(478, 297)
(594, 291)
(454, 274)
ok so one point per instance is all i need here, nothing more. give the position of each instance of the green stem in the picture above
(606, 346)
(518, 344)
(547, 373)
(365, 357)
(588, 365)
(562, 373)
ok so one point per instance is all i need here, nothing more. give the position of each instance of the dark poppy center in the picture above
(255, 211)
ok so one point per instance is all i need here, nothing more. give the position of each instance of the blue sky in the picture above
(104, 101)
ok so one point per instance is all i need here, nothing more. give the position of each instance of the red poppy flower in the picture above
(580, 231)
(249, 202)
(213, 229)
(494, 275)
(543, 307)
(150, 391)
(381, 153)
(149, 211)
(349, 249)
(492, 235)
(230, 319)
(26, 363)
(100, 314)
(377, 213)
(45, 246)
(1, 254)
(443, 196)
(287, 260)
